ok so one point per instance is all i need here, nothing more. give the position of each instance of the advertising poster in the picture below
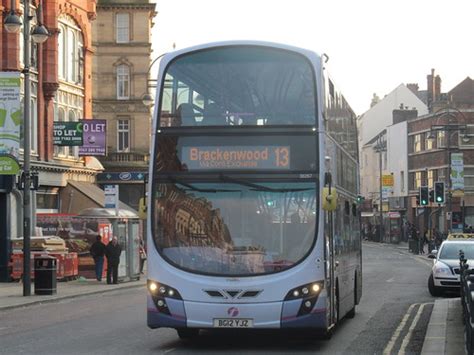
(78, 233)
(457, 171)
(10, 121)
(94, 135)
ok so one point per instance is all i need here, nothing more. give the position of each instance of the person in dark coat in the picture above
(97, 252)
(113, 251)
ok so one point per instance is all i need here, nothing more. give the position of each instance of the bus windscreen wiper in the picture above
(193, 188)
(258, 187)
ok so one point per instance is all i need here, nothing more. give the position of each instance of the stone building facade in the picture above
(122, 45)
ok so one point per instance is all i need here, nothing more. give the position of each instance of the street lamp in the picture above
(451, 128)
(39, 34)
(147, 98)
(380, 147)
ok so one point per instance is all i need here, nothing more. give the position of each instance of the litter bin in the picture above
(45, 275)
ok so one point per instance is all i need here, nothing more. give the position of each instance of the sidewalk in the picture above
(445, 333)
(11, 294)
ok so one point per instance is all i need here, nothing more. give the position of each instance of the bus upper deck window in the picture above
(213, 116)
(186, 116)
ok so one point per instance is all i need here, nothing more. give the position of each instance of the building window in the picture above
(67, 107)
(428, 142)
(70, 51)
(123, 135)
(441, 139)
(61, 53)
(47, 201)
(123, 82)
(122, 28)
(61, 117)
(402, 181)
(431, 177)
(417, 143)
(418, 180)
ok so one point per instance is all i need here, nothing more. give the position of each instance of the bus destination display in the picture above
(236, 157)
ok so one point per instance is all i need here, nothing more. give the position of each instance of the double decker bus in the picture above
(252, 211)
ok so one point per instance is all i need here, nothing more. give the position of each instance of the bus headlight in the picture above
(307, 294)
(152, 286)
(160, 293)
(305, 291)
(161, 290)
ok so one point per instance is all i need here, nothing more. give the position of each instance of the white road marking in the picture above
(390, 279)
(407, 338)
(396, 334)
(168, 350)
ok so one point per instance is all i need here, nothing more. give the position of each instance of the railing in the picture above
(127, 157)
(467, 301)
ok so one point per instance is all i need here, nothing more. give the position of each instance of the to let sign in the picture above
(94, 134)
(67, 133)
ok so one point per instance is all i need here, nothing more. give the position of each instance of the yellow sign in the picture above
(455, 236)
(142, 208)
(387, 180)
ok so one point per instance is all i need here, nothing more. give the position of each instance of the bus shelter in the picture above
(126, 226)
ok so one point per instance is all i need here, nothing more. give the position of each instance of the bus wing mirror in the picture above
(329, 197)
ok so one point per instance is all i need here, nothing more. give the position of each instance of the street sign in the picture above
(387, 180)
(8, 165)
(67, 133)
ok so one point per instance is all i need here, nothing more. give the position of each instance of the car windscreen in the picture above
(450, 251)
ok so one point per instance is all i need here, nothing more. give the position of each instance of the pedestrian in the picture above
(424, 241)
(113, 251)
(97, 252)
(142, 256)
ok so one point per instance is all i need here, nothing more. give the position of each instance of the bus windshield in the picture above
(238, 86)
(234, 227)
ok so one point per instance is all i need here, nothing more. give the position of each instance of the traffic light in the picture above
(424, 196)
(360, 199)
(417, 199)
(439, 192)
(432, 198)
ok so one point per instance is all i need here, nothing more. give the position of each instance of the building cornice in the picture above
(129, 6)
(63, 168)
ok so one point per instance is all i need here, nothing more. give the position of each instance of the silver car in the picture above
(445, 271)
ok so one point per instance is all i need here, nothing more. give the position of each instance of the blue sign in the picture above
(125, 176)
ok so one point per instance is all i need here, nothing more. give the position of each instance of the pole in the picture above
(448, 180)
(26, 153)
(380, 190)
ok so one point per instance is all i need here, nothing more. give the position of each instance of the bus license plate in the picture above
(232, 323)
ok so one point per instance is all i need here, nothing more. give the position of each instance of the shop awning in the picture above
(79, 195)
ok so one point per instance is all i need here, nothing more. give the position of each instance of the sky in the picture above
(373, 46)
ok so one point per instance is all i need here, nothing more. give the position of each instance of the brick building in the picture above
(61, 90)
(429, 155)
